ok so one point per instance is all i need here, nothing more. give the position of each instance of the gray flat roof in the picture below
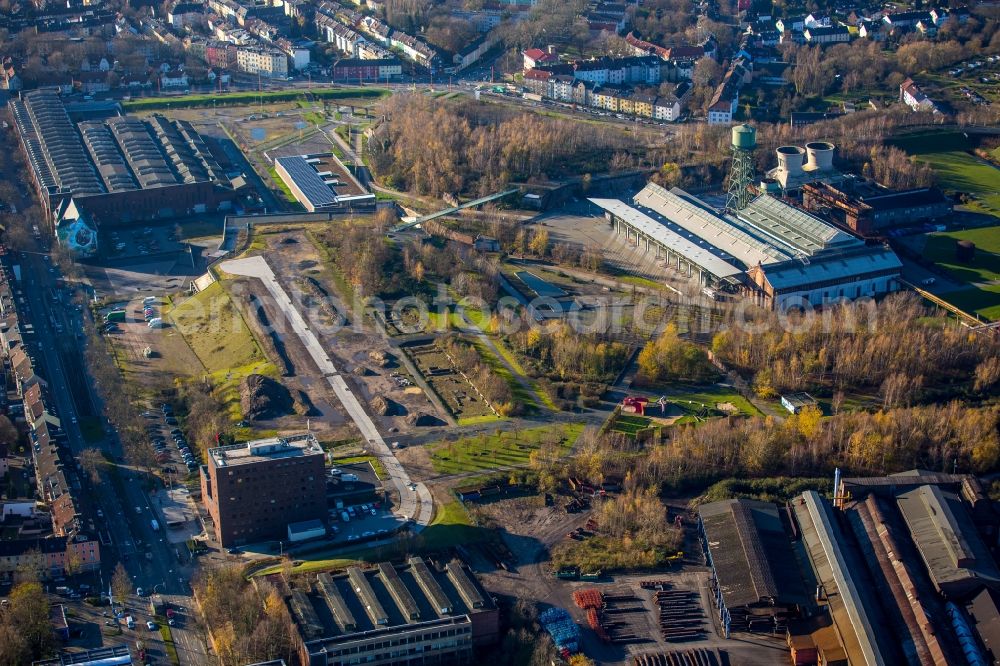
(260, 450)
(866, 260)
(658, 231)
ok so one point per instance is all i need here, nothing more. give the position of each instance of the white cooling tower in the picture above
(790, 159)
(820, 154)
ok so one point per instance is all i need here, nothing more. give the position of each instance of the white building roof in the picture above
(791, 274)
(683, 210)
(696, 253)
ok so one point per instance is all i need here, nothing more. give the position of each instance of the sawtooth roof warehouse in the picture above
(769, 251)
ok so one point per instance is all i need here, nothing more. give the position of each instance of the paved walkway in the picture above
(416, 504)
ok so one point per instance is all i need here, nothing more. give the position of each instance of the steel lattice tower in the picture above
(742, 172)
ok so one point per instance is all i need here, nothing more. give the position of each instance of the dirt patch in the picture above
(727, 407)
(262, 398)
(422, 420)
(353, 345)
(385, 407)
(274, 345)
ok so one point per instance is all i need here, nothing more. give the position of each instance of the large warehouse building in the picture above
(416, 613)
(770, 251)
(322, 183)
(118, 169)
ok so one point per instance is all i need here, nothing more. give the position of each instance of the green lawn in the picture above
(630, 424)
(353, 460)
(956, 169)
(215, 330)
(984, 302)
(451, 525)
(180, 101)
(692, 398)
(940, 248)
(285, 191)
(486, 452)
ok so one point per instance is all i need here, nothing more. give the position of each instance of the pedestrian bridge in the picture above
(409, 222)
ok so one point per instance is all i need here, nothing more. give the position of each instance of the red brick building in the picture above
(254, 490)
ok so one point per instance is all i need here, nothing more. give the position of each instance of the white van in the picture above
(155, 322)
(130, 622)
(149, 300)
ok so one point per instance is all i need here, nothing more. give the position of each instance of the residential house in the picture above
(297, 52)
(537, 57)
(562, 87)
(641, 47)
(815, 21)
(473, 51)
(666, 108)
(539, 81)
(267, 62)
(911, 95)
(358, 69)
(90, 83)
(827, 35)
(906, 20)
(173, 79)
(184, 14)
(791, 24)
(642, 104)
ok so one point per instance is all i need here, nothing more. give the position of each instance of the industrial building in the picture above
(769, 251)
(253, 491)
(901, 565)
(417, 613)
(115, 170)
(798, 166)
(320, 182)
(858, 632)
(903, 571)
(757, 583)
(869, 210)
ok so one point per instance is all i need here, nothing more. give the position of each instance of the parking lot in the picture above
(173, 453)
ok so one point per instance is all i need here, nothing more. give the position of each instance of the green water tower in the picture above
(742, 172)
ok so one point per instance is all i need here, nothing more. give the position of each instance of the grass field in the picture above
(215, 330)
(282, 187)
(693, 398)
(983, 301)
(940, 248)
(956, 169)
(630, 424)
(353, 460)
(181, 101)
(486, 452)
(218, 336)
(451, 525)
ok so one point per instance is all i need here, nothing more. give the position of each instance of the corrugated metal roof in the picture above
(794, 273)
(751, 553)
(860, 624)
(687, 212)
(793, 228)
(955, 556)
(657, 230)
